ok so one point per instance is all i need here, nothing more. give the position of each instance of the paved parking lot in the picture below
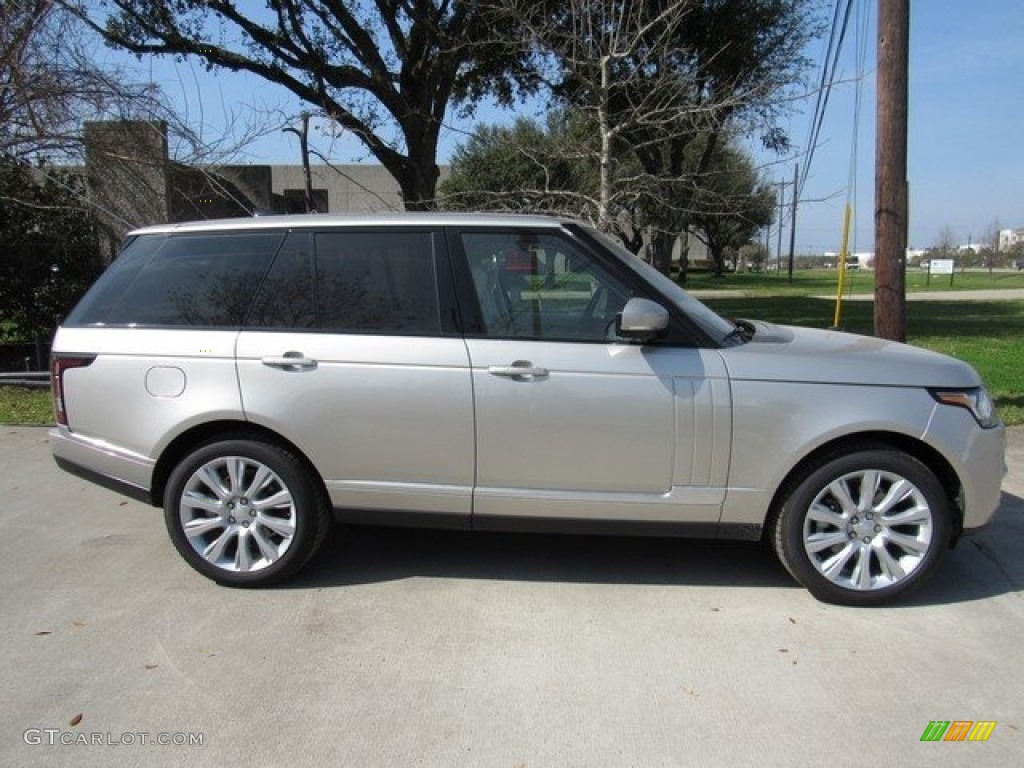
(408, 648)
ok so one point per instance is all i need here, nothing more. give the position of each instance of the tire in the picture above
(245, 513)
(863, 528)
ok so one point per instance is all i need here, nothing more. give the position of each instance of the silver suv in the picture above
(501, 373)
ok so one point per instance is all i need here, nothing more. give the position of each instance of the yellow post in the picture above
(843, 255)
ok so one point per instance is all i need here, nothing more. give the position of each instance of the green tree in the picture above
(527, 166)
(732, 205)
(386, 70)
(48, 247)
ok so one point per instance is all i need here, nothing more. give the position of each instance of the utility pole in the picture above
(782, 203)
(891, 170)
(792, 223)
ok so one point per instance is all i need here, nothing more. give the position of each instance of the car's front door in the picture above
(573, 423)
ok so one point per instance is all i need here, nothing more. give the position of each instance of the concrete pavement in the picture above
(410, 648)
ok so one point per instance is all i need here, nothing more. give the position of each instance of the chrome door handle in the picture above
(520, 368)
(290, 361)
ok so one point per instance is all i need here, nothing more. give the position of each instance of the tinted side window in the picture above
(98, 302)
(193, 280)
(377, 282)
(286, 298)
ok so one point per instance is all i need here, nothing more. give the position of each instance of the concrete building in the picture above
(133, 183)
(1010, 237)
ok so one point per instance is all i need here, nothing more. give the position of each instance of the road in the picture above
(405, 648)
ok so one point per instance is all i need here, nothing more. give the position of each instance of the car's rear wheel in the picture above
(863, 528)
(245, 512)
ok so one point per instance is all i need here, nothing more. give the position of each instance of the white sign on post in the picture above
(940, 267)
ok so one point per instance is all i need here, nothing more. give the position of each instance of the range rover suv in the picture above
(259, 378)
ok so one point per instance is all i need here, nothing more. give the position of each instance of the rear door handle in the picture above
(518, 369)
(290, 361)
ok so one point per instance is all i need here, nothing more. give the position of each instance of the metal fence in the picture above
(25, 357)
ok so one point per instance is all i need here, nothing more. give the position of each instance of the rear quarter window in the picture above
(206, 280)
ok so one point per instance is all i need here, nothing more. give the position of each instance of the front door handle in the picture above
(519, 369)
(290, 361)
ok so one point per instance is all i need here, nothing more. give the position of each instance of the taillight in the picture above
(59, 365)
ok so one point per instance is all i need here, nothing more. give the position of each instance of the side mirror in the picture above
(641, 320)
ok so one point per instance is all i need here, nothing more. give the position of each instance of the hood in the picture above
(786, 353)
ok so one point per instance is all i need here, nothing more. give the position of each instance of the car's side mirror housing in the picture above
(641, 320)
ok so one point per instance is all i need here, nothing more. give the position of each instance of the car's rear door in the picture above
(350, 352)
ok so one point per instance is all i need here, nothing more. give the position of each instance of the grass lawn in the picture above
(19, 405)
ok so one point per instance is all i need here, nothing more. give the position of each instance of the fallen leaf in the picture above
(690, 691)
(783, 650)
(152, 666)
(123, 504)
(792, 620)
(715, 610)
(78, 623)
(76, 719)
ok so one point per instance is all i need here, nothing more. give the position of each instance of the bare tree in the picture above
(47, 86)
(664, 79)
(945, 243)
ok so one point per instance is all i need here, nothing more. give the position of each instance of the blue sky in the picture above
(966, 167)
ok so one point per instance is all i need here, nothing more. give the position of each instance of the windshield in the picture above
(714, 326)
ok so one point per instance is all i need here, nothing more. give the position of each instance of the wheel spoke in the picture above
(822, 541)
(868, 488)
(197, 500)
(208, 477)
(819, 513)
(841, 493)
(916, 514)
(862, 571)
(909, 544)
(215, 551)
(281, 526)
(890, 565)
(268, 550)
(236, 471)
(259, 481)
(897, 492)
(243, 558)
(280, 499)
(198, 526)
(835, 564)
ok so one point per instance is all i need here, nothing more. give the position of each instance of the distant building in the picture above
(133, 183)
(1009, 238)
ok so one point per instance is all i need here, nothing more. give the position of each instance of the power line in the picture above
(830, 64)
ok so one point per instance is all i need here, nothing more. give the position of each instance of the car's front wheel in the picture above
(863, 528)
(245, 512)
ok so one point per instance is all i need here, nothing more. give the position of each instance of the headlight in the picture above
(976, 400)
